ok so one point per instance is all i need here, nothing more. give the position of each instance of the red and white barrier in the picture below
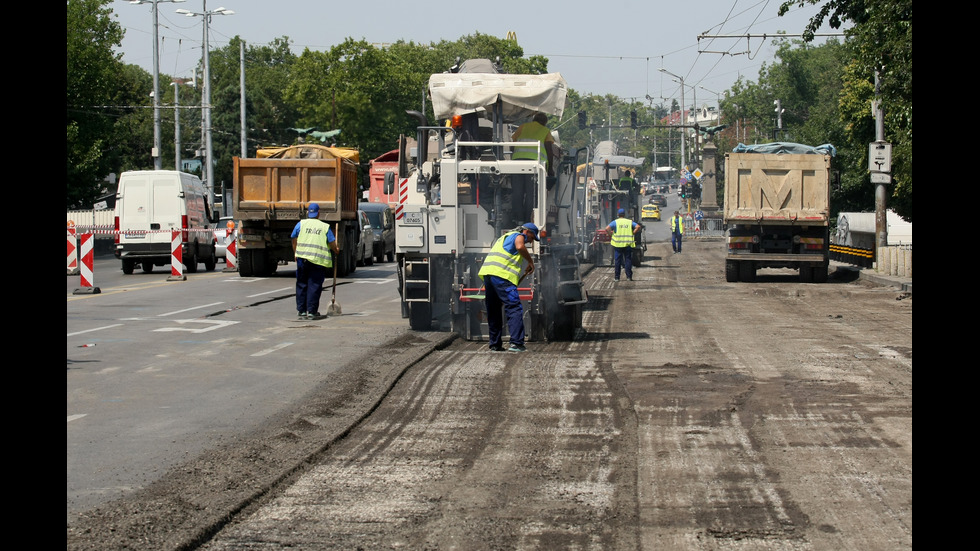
(176, 257)
(72, 252)
(231, 256)
(86, 252)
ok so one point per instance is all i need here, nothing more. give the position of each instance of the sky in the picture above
(612, 47)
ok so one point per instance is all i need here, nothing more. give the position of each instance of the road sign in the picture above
(881, 178)
(698, 173)
(698, 215)
(880, 157)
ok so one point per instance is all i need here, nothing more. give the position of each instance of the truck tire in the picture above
(380, 256)
(746, 271)
(420, 316)
(820, 274)
(352, 259)
(147, 266)
(806, 274)
(245, 264)
(731, 271)
(391, 255)
(127, 266)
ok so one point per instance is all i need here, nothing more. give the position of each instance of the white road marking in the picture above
(94, 329)
(76, 416)
(270, 292)
(212, 325)
(273, 349)
(189, 309)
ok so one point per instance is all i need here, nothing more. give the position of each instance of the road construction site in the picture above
(687, 413)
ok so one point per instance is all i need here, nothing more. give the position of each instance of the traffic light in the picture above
(633, 119)
(581, 120)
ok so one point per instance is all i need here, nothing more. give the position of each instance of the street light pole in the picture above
(176, 86)
(683, 117)
(157, 161)
(206, 92)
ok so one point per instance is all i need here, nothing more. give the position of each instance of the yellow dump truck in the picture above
(777, 210)
(272, 192)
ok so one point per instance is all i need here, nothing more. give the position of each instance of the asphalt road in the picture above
(688, 413)
(160, 371)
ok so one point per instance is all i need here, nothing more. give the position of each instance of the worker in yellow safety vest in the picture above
(623, 230)
(313, 241)
(501, 272)
(676, 231)
(522, 193)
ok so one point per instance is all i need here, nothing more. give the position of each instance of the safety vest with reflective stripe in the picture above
(530, 132)
(501, 263)
(311, 243)
(676, 224)
(624, 233)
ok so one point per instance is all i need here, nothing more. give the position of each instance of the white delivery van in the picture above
(150, 204)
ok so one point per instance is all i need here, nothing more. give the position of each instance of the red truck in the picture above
(377, 169)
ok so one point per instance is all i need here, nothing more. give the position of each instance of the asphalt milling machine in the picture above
(454, 201)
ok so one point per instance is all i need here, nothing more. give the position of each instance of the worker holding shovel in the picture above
(501, 273)
(313, 241)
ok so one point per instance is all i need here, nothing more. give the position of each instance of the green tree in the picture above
(880, 45)
(91, 68)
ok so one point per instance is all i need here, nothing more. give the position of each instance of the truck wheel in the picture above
(806, 274)
(820, 274)
(746, 271)
(211, 261)
(127, 266)
(391, 255)
(731, 271)
(245, 268)
(420, 316)
(379, 256)
(191, 264)
(147, 266)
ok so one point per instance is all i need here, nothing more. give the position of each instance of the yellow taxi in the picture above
(650, 212)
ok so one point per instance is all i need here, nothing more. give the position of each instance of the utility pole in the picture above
(880, 151)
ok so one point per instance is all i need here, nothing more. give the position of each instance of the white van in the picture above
(150, 204)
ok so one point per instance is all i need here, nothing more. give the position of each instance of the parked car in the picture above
(365, 247)
(225, 231)
(650, 212)
(382, 219)
(658, 199)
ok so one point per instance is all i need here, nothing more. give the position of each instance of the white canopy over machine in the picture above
(518, 96)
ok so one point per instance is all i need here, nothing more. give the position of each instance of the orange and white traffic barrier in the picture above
(86, 250)
(231, 256)
(72, 250)
(176, 257)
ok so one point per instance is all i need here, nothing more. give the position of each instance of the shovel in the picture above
(334, 308)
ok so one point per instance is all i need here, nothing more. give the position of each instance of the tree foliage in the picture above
(91, 69)
(364, 90)
(879, 46)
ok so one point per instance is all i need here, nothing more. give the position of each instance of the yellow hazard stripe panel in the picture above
(841, 249)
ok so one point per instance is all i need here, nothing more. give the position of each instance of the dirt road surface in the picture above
(689, 413)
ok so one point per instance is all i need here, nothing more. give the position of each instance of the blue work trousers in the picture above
(624, 258)
(675, 241)
(502, 294)
(309, 285)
